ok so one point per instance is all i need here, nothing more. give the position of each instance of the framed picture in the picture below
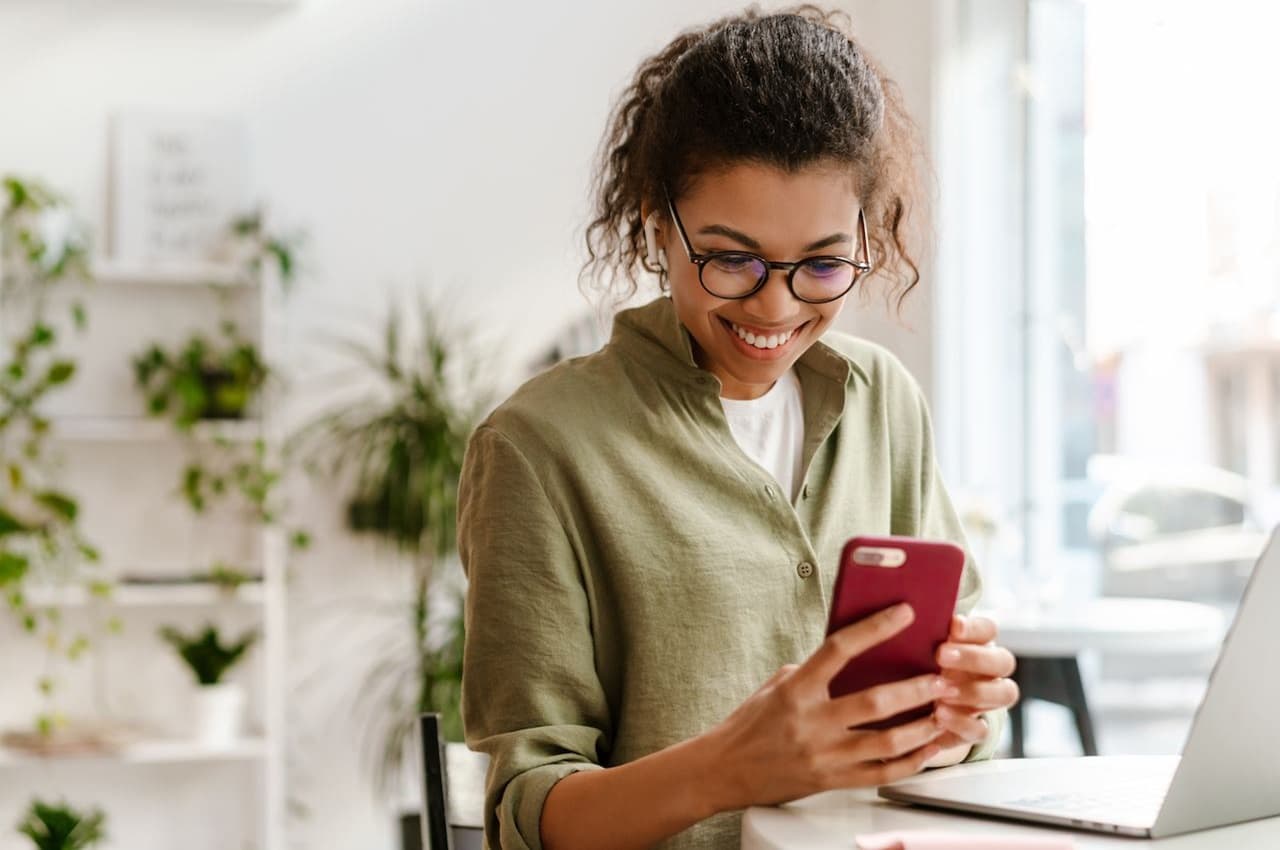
(176, 182)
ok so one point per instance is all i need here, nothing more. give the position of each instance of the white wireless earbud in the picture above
(655, 256)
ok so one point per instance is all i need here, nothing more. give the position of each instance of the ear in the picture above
(654, 256)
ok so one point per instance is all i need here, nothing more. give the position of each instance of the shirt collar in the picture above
(655, 326)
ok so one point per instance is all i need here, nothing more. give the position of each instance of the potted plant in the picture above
(60, 827)
(202, 380)
(219, 705)
(401, 449)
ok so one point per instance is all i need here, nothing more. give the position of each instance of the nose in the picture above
(773, 301)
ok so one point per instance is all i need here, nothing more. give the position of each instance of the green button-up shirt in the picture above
(634, 576)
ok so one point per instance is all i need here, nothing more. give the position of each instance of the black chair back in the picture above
(435, 786)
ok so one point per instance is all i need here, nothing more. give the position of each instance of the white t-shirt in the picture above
(770, 429)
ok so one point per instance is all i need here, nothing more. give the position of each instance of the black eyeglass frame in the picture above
(860, 267)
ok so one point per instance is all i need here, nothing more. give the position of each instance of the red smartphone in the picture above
(877, 573)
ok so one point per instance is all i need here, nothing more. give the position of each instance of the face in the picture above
(781, 216)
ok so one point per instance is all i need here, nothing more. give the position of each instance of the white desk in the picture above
(830, 821)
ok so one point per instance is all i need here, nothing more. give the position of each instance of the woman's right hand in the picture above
(790, 739)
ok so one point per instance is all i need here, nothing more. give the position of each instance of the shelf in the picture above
(169, 273)
(144, 595)
(171, 751)
(135, 429)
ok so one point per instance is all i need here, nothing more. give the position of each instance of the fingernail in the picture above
(903, 614)
(951, 655)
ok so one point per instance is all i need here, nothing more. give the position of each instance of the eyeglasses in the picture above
(734, 275)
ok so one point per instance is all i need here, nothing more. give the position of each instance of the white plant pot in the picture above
(219, 714)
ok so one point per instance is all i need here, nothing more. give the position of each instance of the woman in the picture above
(651, 532)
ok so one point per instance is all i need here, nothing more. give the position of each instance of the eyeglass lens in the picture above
(733, 275)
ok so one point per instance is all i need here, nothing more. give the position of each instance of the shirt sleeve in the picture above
(939, 521)
(531, 698)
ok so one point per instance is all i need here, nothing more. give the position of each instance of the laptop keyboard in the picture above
(1129, 802)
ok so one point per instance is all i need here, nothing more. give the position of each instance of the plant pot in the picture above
(219, 714)
(227, 397)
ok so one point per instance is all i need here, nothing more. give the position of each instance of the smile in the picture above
(761, 339)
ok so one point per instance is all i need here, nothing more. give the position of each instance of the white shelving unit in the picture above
(95, 439)
(152, 596)
(108, 272)
(159, 751)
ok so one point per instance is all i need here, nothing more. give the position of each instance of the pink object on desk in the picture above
(932, 840)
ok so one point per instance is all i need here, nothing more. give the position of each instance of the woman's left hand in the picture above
(981, 671)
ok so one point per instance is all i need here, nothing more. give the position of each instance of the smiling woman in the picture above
(749, 334)
(651, 532)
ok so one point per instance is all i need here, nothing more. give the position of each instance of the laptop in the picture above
(1229, 770)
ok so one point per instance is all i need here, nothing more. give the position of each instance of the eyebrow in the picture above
(738, 236)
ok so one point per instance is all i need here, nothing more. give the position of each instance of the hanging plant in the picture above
(43, 251)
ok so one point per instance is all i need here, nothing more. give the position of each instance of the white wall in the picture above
(442, 145)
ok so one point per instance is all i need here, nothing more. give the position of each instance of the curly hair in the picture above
(787, 89)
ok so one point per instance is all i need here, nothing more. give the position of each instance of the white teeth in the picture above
(762, 342)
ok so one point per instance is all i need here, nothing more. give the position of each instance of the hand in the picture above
(790, 739)
(980, 670)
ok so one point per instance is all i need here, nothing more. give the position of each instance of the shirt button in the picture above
(804, 492)
(805, 569)
(768, 491)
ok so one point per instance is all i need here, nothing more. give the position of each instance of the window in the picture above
(1110, 301)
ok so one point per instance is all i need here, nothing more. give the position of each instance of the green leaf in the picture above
(60, 372)
(9, 524)
(78, 647)
(13, 568)
(42, 335)
(61, 504)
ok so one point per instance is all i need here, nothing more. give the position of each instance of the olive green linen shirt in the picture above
(634, 576)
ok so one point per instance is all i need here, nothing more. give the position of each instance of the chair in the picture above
(452, 791)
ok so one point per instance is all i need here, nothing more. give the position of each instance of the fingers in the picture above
(882, 773)
(851, 641)
(889, 744)
(995, 662)
(984, 694)
(884, 701)
(972, 629)
(960, 725)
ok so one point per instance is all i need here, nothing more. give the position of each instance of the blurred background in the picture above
(265, 263)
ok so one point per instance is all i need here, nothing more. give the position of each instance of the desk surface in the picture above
(830, 821)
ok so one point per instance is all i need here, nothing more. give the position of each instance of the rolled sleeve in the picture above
(531, 697)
